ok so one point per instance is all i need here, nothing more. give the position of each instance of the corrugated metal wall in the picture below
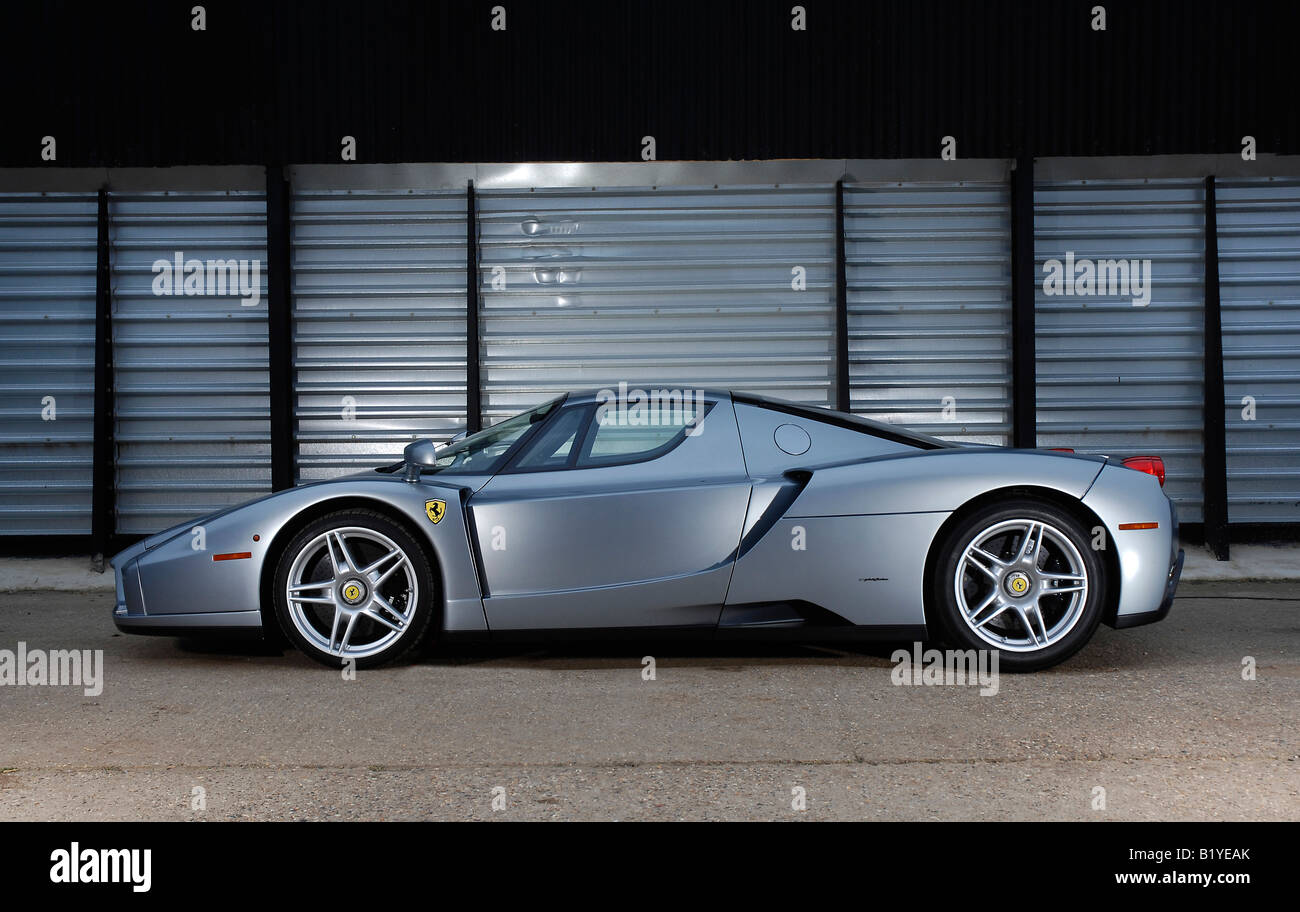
(192, 394)
(1259, 287)
(379, 290)
(47, 361)
(1113, 377)
(928, 268)
(672, 286)
(679, 286)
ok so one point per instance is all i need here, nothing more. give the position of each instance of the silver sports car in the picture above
(711, 513)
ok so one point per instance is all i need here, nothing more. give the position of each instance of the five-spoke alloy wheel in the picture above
(354, 587)
(1020, 578)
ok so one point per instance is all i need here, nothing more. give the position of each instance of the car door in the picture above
(599, 523)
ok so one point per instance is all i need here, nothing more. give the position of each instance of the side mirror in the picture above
(419, 455)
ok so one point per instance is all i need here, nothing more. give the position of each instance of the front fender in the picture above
(178, 577)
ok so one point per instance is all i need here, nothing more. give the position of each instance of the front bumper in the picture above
(226, 623)
(131, 614)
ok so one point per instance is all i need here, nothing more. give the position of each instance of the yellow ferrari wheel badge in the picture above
(436, 509)
(352, 592)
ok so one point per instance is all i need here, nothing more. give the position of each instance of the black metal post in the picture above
(280, 328)
(1024, 391)
(1214, 459)
(843, 400)
(473, 380)
(103, 498)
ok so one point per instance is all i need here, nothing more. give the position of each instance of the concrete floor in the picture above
(1159, 717)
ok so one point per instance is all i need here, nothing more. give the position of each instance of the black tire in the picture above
(370, 532)
(1078, 616)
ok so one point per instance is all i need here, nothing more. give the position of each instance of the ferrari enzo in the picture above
(713, 514)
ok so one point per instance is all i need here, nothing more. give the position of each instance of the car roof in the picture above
(895, 432)
(578, 397)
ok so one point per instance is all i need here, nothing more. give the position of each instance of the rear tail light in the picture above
(1062, 449)
(1152, 465)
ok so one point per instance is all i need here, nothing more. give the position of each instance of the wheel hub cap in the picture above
(354, 592)
(1017, 584)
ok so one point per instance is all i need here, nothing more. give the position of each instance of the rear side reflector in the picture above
(1152, 465)
(1062, 449)
(1125, 527)
(234, 555)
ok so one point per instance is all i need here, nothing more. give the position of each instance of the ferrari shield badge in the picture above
(436, 509)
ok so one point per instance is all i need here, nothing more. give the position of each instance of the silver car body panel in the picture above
(822, 560)
(1120, 497)
(185, 584)
(655, 539)
(895, 502)
(827, 444)
(762, 504)
(939, 481)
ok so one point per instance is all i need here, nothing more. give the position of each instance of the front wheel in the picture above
(1020, 578)
(354, 587)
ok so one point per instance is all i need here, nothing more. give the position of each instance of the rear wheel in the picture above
(1020, 578)
(354, 587)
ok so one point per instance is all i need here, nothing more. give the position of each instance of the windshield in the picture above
(485, 452)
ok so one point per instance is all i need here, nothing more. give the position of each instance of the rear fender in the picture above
(938, 481)
(856, 539)
(1121, 497)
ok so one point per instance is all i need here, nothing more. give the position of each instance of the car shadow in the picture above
(234, 647)
(600, 653)
(580, 655)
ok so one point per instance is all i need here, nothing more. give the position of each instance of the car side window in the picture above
(555, 447)
(614, 437)
(487, 451)
(587, 436)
